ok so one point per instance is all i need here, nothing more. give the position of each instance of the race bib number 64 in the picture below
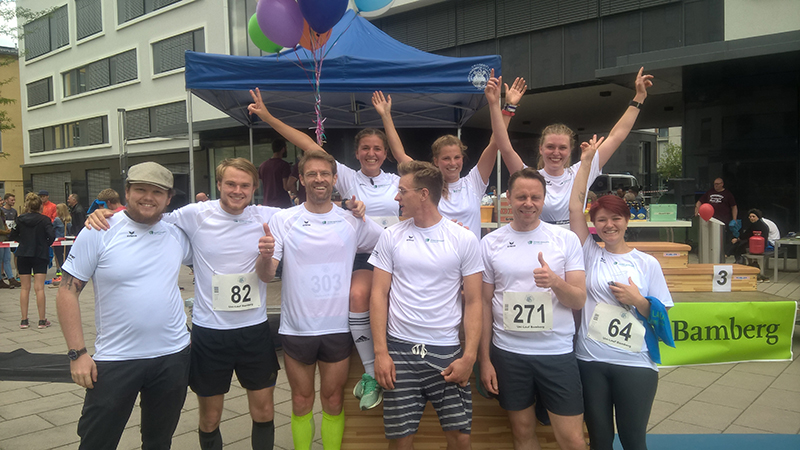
(527, 311)
(235, 292)
(616, 326)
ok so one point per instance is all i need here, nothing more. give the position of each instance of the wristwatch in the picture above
(636, 104)
(73, 354)
(344, 205)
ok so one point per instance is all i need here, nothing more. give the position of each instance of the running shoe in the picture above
(358, 389)
(14, 282)
(44, 323)
(372, 393)
(23, 323)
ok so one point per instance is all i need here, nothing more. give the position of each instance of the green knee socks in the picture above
(332, 431)
(303, 431)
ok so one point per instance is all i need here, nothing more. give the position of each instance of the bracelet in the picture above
(507, 113)
(510, 108)
(636, 104)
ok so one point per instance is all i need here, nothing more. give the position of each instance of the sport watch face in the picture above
(73, 354)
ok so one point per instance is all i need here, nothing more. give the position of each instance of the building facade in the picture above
(11, 151)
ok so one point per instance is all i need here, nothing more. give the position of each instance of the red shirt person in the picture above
(722, 200)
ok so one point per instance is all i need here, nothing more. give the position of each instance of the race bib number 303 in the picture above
(616, 326)
(527, 311)
(235, 292)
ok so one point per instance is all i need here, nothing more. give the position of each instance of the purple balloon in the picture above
(281, 21)
(322, 15)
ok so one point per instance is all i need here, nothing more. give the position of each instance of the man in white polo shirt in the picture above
(317, 243)
(416, 303)
(533, 280)
(142, 343)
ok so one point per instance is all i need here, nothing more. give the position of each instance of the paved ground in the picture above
(728, 398)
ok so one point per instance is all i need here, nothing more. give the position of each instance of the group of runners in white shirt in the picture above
(402, 307)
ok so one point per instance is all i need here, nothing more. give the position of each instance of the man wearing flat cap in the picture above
(142, 343)
(48, 207)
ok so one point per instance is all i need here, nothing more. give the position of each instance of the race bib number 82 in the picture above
(235, 292)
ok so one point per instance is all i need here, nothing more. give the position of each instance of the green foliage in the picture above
(670, 164)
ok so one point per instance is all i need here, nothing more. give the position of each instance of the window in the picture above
(82, 133)
(58, 184)
(88, 18)
(155, 121)
(40, 92)
(131, 9)
(97, 180)
(46, 34)
(99, 74)
(169, 53)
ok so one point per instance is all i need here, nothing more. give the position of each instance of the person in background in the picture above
(62, 221)
(48, 207)
(201, 197)
(77, 216)
(7, 207)
(274, 174)
(741, 244)
(8, 281)
(34, 232)
(111, 199)
(774, 232)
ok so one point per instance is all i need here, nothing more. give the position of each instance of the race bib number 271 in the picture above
(527, 311)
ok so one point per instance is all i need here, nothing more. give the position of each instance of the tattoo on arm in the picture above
(582, 197)
(73, 283)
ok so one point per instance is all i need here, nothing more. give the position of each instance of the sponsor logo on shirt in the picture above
(375, 253)
(623, 264)
(511, 244)
(243, 221)
(306, 223)
(131, 234)
(410, 239)
(538, 242)
(330, 222)
(602, 259)
(70, 257)
(157, 233)
(434, 241)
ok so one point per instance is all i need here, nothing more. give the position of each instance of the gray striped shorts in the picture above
(419, 380)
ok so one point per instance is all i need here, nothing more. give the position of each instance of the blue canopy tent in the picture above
(427, 90)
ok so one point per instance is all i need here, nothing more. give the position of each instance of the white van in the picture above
(607, 183)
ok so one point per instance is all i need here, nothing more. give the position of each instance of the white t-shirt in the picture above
(134, 270)
(224, 244)
(559, 189)
(317, 252)
(602, 267)
(509, 258)
(377, 193)
(774, 233)
(427, 267)
(464, 202)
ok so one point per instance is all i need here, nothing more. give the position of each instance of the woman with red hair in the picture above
(624, 315)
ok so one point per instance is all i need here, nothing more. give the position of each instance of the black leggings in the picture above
(611, 390)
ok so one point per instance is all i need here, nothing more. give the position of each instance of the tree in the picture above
(670, 164)
(10, 16)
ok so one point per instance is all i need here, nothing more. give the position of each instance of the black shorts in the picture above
(360, 262)
(329, 348)
(217, 353)
(555, 377)
(29, 264)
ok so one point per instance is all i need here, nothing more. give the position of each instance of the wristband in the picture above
(510, 108)
(344, 205)
(508, 113)
(636, 104)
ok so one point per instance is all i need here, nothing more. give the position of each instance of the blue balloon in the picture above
(371, 5)
(322, 15)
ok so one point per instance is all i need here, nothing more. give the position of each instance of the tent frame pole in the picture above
(189, 121)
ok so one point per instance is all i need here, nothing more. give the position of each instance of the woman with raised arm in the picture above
(463, 203)
(556, 144)
(377, 190)
(622, 320)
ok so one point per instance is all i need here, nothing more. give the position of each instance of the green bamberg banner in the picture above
(707, 333)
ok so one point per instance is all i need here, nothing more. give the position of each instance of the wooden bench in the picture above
(363, 430)
(669, 254)
(698, 278)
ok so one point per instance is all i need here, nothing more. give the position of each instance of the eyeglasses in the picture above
(402, 191)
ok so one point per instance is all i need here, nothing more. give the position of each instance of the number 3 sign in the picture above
(722, 278)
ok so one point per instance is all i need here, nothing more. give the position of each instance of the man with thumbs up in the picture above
(317, 243)
(533, 281)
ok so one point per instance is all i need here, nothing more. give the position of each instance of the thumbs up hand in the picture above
(266, 243)
(544, 276)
